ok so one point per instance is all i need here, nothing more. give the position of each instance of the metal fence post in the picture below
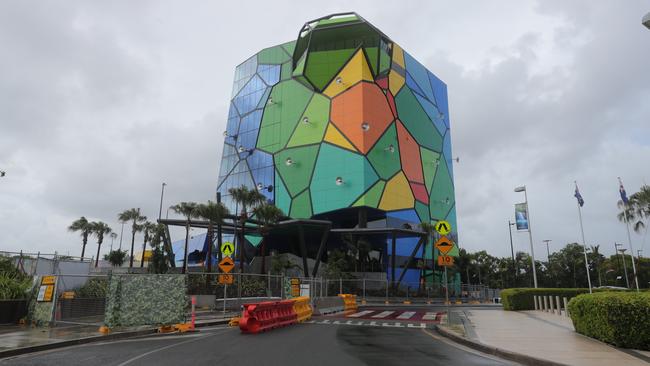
(386, 292)
(535, 301)
(269, 293)
(364, 289)
(566, 307)
(225, 296)
(559, 307)
(340, 285)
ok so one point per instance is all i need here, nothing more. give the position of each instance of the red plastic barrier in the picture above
(258, 317)
(286, 314)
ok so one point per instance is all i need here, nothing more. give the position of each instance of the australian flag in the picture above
(621, 190)
(578, 196)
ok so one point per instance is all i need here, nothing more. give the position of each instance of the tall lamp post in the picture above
(512, 250)
(548, 253)
(622, 251)
(530, 233)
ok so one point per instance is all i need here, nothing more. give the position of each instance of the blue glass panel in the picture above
(413, 85)
(420, 75)
(249, 97)
(446, 150)
(228, 160)
(259, 159)
(404, 246)
(411, 278)
(269, 73)
(433, 113)
(440, 93)
(264, 98)
(398, 218)
(251, 121)
(243, 73)
(232, 127)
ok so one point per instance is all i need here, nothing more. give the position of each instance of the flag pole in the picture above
(584, 243)
(629, 239)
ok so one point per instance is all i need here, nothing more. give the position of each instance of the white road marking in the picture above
(406, 315)
(382, 315)
(360, 314)
(422, 325)
(429, 316)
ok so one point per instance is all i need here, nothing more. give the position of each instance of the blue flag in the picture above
(578, 196)
(621, 190)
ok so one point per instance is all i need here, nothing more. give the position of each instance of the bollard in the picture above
(550, 302)
(566, 307)
(364, 290)
(340, 285)
(386, 301)
(545, 303)
(535, 301)
(193, 312)
(559, 307)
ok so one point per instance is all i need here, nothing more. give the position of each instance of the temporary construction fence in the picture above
(80, 299)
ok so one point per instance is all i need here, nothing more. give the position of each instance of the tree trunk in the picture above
(99, 245)
(83, 247)
(132, 244)
(144, 248)
(241, 243)
(209, 254)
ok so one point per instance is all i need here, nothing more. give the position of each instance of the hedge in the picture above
(618, 318)
(522, 298)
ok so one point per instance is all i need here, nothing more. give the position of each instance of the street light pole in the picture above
(162, 194)
(512, 250)
(530, 233)
(627, 281)
(548, 253)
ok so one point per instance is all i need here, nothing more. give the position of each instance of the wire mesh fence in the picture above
(81, 299)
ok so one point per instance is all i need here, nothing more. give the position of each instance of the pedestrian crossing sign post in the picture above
(227, 249)
(443, 227)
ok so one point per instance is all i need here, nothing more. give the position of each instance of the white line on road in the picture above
(429, 316)
(166, 347)
(406, 315)
(382, 315)
(360, 314)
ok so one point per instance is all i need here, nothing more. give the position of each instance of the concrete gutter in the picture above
(505, 354)
(94, 339)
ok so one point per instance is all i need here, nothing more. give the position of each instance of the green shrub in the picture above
(14, 284)
(522, 298)
(93, 288)
(618, 318)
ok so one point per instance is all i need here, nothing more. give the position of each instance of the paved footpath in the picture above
(546, 336)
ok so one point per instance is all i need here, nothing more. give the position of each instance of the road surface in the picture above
(337, 341)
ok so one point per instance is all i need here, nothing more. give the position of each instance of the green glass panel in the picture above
(311, 130)
(442, 193)
(282, 198)
(300, 65)
(253, 239)
(385, 162)
(429, 164)
(273, 55)
(298, 174)
(371, 198)
(373, 58)
(286, 71)
(289, 47)
(416, 120)
(422, 210)
(333, 162)
(288, 101)
(384, 61)
(322, 66)
(301, 206)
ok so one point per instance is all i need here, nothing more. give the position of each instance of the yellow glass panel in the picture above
(395, 82)
(397, 194)
(355, 70)
(398, 55)
(334, 136)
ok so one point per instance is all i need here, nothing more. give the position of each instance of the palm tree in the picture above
(268, 215)
(149, 230)
(134, 216)
(99, 229)
(246, 198)
(189, 210)
(429, 228)
(82, 225)
(116, 257)
(214, 213)
(634, 215)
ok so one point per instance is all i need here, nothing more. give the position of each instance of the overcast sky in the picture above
(100, 102)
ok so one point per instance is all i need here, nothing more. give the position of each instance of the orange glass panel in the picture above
(410, 154)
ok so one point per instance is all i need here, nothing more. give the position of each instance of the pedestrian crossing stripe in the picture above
(406, 315)
(371, 324)
(383, 314)
(429, 316)
(360, 314)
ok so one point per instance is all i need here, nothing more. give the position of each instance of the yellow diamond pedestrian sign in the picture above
(227, 248)
(443, 227)
(444, 245)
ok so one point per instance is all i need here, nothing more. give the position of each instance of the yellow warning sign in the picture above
(444, 245)
(445, 260)
(226, 279)
(443, 227)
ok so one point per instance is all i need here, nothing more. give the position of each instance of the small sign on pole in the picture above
(445, 260)
(227, 248)
(226, 265)
(226, 279)
(443, 227)
(444, 245)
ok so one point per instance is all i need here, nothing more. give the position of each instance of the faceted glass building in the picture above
(340, 119)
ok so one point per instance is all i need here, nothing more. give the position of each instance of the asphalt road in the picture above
(301, 344)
